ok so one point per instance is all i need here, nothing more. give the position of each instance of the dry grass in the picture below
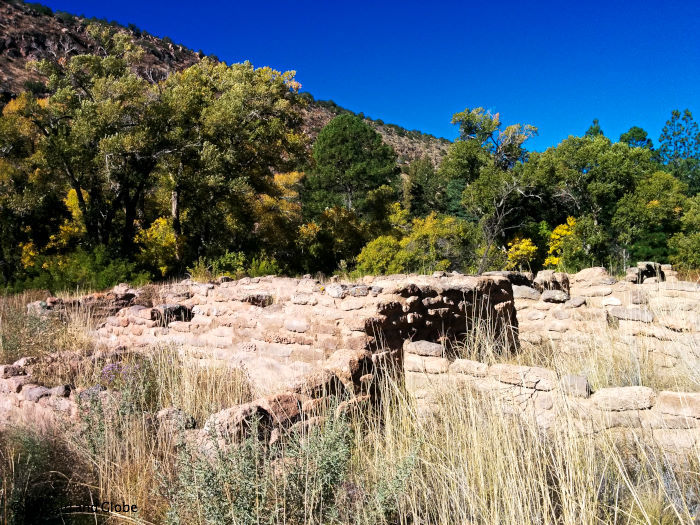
(468, 463)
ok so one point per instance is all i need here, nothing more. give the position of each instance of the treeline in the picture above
(111, 178)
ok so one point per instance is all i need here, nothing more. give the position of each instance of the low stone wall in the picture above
(658, 320)
(282, 329)
(669, 419)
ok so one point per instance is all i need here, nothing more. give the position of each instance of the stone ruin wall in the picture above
(299, 339)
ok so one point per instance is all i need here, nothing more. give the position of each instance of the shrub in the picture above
(379, 256)
(263, 265)
(159, 246)
(80, 269)
(39, 477)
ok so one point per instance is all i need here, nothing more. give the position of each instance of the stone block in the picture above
(428, 365)
(526, 376)
(624, 398)
(424, 348)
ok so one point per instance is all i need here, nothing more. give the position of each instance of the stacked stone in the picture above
(660, 320)
(671, 419)
(24, 402)
(281, 329)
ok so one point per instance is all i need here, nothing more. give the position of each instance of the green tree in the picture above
(594, 130)
(423, 192)
(648, 216)
(636, 137)
(350, 160)
(685, 245)
(679, 148)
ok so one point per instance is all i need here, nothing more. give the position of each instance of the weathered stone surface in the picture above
(469, 367)
(522, 279)
(597, 276)
(424, 348)
(33, 393)
(296, 325)
(10, 371)
(428, 365)
(554, 296)
(624, 398)
(594, 291)
(679, 404)
(551, 280)
(526, 376)
(573, 385)
(525, 292)
(575, 302)
(632, 314)
(611, 301)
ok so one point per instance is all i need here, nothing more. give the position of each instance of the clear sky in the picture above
(556, 65)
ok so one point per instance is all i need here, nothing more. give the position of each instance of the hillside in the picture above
(33, 32)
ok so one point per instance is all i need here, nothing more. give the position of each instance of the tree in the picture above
(586, 176)
(679, 148)
(350, 160)
(494, 200)
(646, 217)
(504, 144)
(636, 137)
(685, 245)
(423, 193)
(594, 130)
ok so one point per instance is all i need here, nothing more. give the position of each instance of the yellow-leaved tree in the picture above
(521, 252)
(556, 242)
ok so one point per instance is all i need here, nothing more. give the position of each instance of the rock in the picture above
(350, 365)
(424, 348)
(11, 371)
(91, 393)
(551, 280)
(611, 301)
(597, 276)
(575, 302)
(523, 279)
(428, 365)
(624, 398)
(24, 361)
(337, 291)
(679, 404)
(60, 391)
(166, 313)
(525, 292)
(554, 296)
(320, 384)
(525, 376)
(34, 392)
(284, 409)
(632, 314)
(261, 299)
(638, 296)
(468, 367)
(595, 291)
(651, 280)
(573, 385)
(358, 291)
(296, 325)
(561, 314)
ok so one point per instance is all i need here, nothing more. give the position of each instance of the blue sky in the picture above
(556, 65)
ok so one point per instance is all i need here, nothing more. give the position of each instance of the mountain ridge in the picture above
(30, 31)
